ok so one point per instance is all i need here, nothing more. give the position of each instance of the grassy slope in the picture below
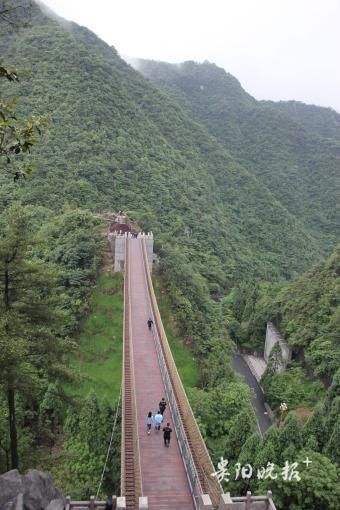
(100, 348)
(99, 361)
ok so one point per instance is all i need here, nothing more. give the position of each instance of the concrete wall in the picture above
(248, 502)
(273, 337)
(120, 243)
(117, 243)
(149, 248)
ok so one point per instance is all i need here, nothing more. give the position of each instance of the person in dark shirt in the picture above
(162, 406)
(167, 434)
(109, 504)
(150, 322)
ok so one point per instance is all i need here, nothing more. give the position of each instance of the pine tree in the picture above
(332, 447)
(290, 434)
(269, 451)
(90, 424)
(314, 431)
(30, 345)
(242, 426)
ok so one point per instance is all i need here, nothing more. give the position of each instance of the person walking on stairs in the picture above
(167, 435)
(158, 420)
(149, 422)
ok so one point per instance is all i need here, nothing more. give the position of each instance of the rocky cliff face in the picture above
(33, 491)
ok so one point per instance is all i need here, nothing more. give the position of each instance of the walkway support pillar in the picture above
(143, 503)
(226, 502)
(205, 502)
(121, 503)
(225, 499)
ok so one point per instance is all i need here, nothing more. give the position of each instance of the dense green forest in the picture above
(292, 148)
(234, 191)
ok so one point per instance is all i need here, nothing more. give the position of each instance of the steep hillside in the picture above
(231, 203)
(324, 122)
(115, 138)
(292, 149)
(309, 316)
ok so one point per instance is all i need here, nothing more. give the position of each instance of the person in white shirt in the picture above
(158, 420)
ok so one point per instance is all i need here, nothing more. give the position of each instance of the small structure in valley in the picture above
(274, 339)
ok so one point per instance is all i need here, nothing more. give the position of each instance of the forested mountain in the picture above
(115, 138)
(324, 122)
(240, 195)
(292, 148)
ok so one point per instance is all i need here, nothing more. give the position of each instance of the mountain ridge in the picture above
(283, 149)
(101, 106)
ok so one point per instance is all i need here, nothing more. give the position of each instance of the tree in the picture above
(51, 411)
(30, 347)
(269, 451)
(219, 406)
(332, 447)
(4, 437)
(16, 136)
(334, 389)
(315, 428)
(290, 434)
(90, 430)
(249, 449)
(83, 468)
(14, 12)
(318, 489)
(86, 447)
(241, 427)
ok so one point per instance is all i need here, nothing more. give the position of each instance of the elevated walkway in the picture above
(154, 477)
(163, 478)
(175, 477)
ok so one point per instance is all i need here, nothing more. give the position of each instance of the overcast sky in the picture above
(278, 49)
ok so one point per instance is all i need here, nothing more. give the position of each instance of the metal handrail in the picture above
(192, 438)
(189, 464)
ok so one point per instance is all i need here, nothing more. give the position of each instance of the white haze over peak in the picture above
(278, 49)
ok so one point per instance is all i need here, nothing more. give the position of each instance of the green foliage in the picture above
(218, 406)
(287, 146)
(234, 200)
(310, 312)
(85, 450)
(179, 180)
(270, 447)
(292, 387)
(241, 427)
(83, 468)
(98, 359)
(224, 416)
(290, 434)
(16, 136)
(35, 322)
(317, 489)
(183, 355)
(315, 429)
